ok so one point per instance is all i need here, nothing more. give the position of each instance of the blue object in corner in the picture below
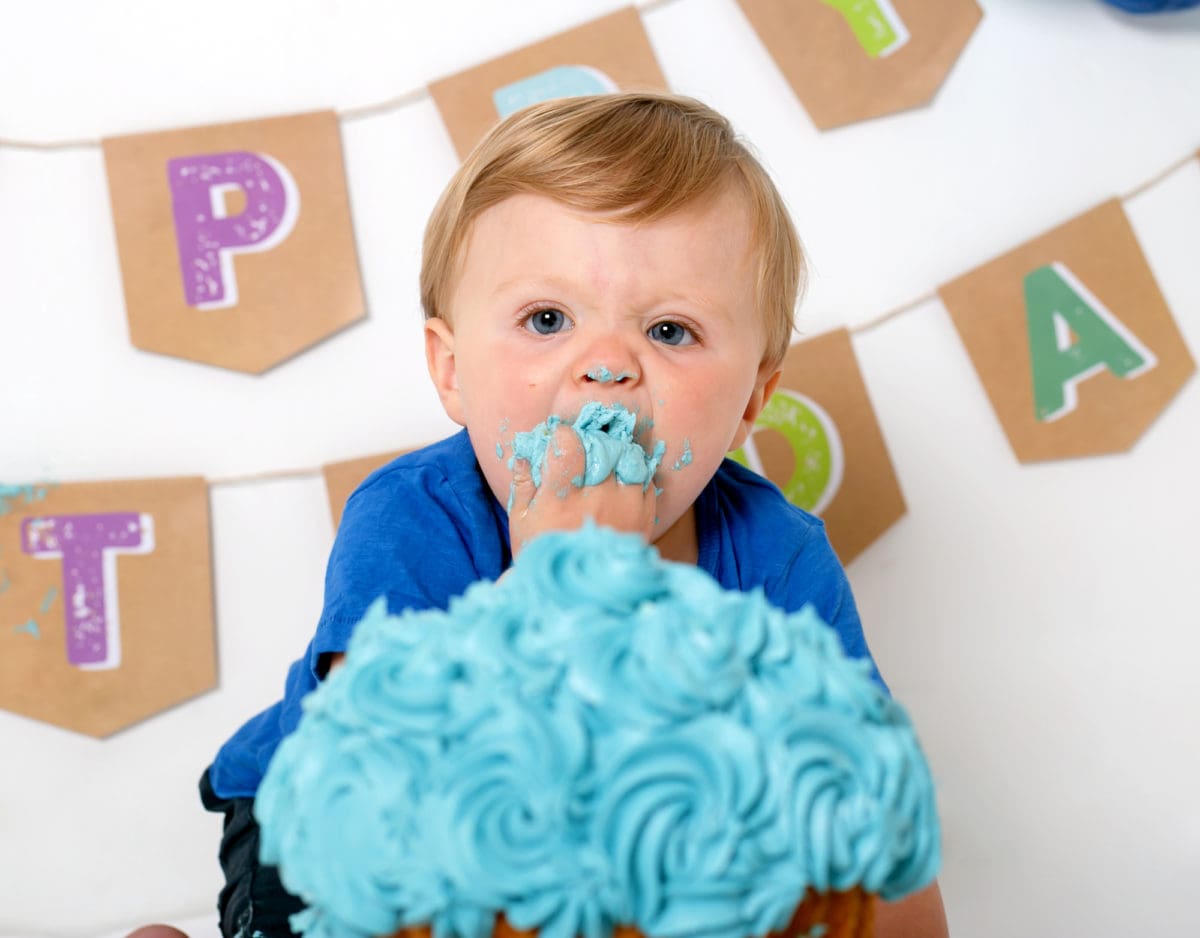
(1152, 6)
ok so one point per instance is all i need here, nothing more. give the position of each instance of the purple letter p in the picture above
(207, 238)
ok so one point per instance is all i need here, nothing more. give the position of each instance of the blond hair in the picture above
(636, 156)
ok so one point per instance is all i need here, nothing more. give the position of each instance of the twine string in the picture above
(268, 475)
(418, 95)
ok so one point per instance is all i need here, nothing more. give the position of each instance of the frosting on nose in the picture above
(602, 374)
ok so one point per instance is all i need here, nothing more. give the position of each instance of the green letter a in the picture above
(1072, 335)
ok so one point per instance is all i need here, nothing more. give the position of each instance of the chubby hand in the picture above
(562, 503)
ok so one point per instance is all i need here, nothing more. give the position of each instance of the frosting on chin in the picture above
(600, 737)
(606, 432)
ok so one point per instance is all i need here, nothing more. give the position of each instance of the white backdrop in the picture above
(1038, 621)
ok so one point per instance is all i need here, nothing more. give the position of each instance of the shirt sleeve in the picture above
(813, 574)
(417, 533)
(751, 536)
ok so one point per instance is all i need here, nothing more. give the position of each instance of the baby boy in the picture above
(624, 251)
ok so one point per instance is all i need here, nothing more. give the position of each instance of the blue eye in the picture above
(671, 333)
(547, 321)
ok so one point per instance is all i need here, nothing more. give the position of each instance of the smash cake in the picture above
(599, 743)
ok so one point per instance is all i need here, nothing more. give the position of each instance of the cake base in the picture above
(849, 914)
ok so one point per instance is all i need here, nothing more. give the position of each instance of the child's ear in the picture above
(443, 368)
(763, 389)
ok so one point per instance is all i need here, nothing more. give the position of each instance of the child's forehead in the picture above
(731, 204)
(529, 235)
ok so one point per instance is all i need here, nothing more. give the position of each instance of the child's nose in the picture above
(603, 374)
(608, 359)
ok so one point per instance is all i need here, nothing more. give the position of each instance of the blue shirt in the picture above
(423, 528)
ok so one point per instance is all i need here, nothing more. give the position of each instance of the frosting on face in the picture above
(600, 737)
(607, 433)
(603, 374)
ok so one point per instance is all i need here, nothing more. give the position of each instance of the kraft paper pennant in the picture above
(342, 478)
(851, 60)
(612, 53)
(235, 240)
(106, 607)
(819, 441)
(1072, 338)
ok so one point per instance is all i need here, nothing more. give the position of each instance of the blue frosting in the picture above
(607, 433)
(603, 374)
(599, 737)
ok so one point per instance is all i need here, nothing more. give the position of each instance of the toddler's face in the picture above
(554, 308)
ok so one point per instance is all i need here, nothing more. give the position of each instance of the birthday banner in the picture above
(235, 241)
(852, 60)
(106, 601)
(818, 439)
(1072, 338)
(237, 250)
(612, 53)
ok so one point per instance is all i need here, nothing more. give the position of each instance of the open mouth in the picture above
(613, 420)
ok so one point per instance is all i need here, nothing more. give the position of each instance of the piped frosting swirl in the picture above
(600, 737)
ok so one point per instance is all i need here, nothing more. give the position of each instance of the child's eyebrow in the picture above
(552, 288)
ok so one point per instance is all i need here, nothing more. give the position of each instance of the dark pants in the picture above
(253, 902)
